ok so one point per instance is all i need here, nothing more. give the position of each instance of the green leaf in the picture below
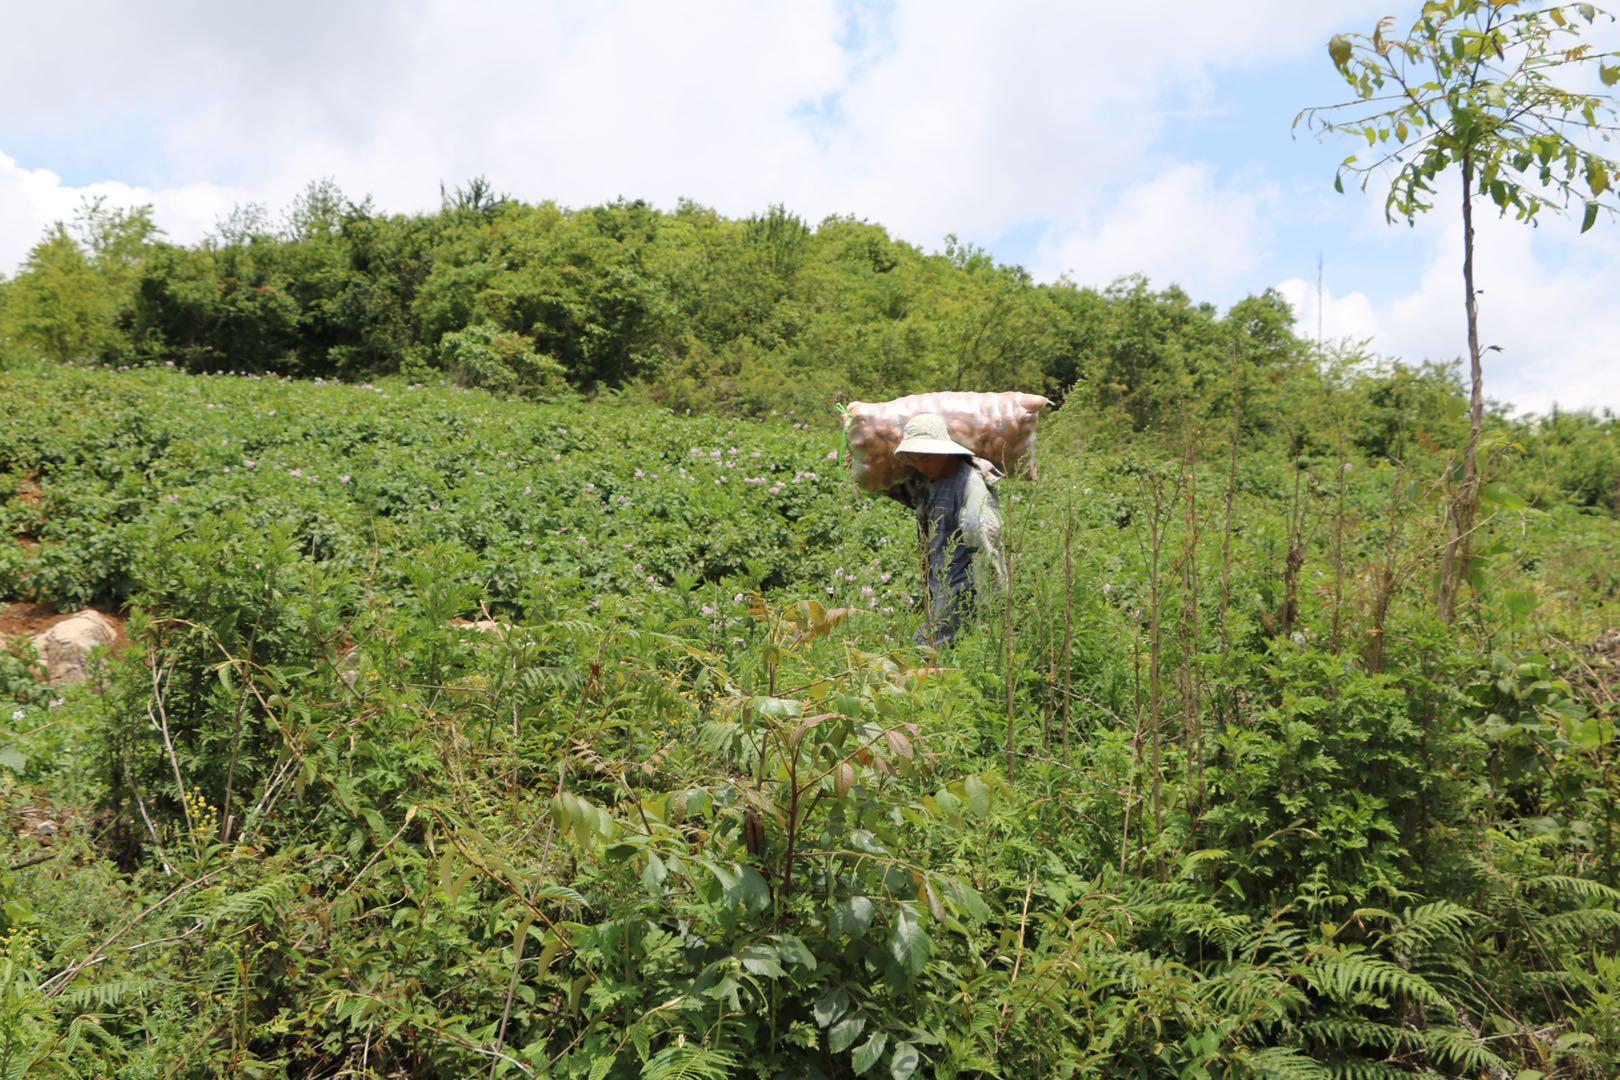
(833, 1003)
(1340, 50)
(743, 887)
(1610, 74)
(793, 952)
(1591, 216)
(761, 960)
(1519, 602)
(653, 874)
(904, 1062)
(778, 708)
(1597, 176)
(1338, 183)
(1499, 494)
(908, 944)
(867, 1054)
(13, 759)
(852, 917)
(978, 795)
(843, 1034)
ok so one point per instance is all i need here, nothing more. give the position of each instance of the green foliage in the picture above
(69, 300)
(691, 804)
(500, 361)
(1487, 86)
(759, 316)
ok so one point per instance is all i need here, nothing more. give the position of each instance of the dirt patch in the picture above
(1598, 677)
(28, 493)
(24, 618)
(1607, 645)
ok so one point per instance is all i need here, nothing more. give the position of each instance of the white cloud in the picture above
(1182, 226)
(1547, 312)
(931, 116)
(1350, 318)
(32, 199)
(940, 117)
(1547, 302)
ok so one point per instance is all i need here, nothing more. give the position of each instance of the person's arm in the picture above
(990, 534)
(981, 526)
(904, 493)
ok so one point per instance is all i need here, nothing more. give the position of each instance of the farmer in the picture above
(958, 516)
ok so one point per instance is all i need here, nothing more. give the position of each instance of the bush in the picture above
(487, 358)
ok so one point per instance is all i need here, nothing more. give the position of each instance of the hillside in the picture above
(757, 316)
(462, 734)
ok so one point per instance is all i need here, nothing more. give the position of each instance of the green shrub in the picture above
(488, 358)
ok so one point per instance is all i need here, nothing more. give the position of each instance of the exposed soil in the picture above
(1607, 645)
(28, 492)
(25, 618)
(1600, 676)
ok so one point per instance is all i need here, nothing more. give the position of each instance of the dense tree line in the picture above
(699, 312)
(702, 311)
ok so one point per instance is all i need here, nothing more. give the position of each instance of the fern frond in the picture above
(1462, 1050)
(1283, 1063)
(1585, 888)
(1422, 927)
(257, 903)
(108, 994)
(1366, 1070)
(1582, 922)
(1340, 978)
(1355, 1034)
(689, 1062)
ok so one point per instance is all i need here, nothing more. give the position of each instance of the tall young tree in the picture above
(1502, 95)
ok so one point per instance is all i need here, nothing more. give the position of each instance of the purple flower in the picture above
(248, 463)
(344, 479)
(295, 472)
(866, 592)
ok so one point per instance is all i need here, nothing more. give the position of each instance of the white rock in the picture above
(65, 647)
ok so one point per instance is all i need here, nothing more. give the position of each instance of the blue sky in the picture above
(1092, 141)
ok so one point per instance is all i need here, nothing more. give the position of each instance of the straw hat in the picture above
(926, 433)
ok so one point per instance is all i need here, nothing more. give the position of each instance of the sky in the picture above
(1081, 140)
